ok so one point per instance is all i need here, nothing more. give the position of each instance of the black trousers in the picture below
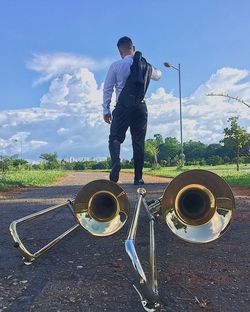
(133, 117)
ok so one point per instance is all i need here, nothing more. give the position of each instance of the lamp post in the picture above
(21, 147)
(179, 73)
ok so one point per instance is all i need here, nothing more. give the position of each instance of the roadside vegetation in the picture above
(26, 178)
(228, 172)
(230, 158)
(17, 172)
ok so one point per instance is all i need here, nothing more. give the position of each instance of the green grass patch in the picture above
(25, 178)
(228, 172)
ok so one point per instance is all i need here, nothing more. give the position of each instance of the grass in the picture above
(26, 178)
(228, 172)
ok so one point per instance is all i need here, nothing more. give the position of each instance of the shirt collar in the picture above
(127, 56)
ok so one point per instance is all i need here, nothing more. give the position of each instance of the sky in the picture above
(55, 55)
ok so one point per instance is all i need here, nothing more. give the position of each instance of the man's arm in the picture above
(156, 73)
(107, 93)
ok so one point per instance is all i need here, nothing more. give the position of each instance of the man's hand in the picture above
(107, 118)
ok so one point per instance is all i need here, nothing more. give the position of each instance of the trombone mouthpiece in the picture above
(141, 191)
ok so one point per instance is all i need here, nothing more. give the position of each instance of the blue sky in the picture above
(203, 35)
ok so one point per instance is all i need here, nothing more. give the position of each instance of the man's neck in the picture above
(127, 54)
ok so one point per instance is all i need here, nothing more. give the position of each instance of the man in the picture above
(130, 76)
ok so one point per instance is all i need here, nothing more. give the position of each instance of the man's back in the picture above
(117, 77)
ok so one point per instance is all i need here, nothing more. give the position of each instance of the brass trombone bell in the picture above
(198, 206)
(101, 207)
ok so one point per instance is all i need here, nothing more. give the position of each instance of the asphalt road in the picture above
(85, 273)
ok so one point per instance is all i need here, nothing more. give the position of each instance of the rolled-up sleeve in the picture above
(156, 73)
(108, 89)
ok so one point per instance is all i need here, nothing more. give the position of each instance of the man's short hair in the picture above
(125, 43)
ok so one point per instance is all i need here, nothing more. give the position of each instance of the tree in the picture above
(236, 98)
(169, 150)
(158, 139)
(152, 147)
(5, 163)
(236, 137)
(101, 165)
(51, 160)
(213, 150)
(151, 150)
(127, 164)
(215, 160)
(20, 163)
(78, 165)
(194, 150)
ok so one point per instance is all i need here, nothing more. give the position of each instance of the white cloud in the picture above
(204, 117)
(69, 119)
(49, 66)
(35, 144)
(20, 142)
(62, 131)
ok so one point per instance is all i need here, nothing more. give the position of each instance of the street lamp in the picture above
(179, 72)
(21, 147)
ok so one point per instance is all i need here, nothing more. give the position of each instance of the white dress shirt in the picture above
(116, 77)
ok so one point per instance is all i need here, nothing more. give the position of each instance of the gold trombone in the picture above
(197, 206)
(101, 207)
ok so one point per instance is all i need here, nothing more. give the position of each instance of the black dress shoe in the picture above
(138, 182)
(114, 174)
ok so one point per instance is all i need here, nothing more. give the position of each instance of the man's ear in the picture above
(133, 48)
(120, 52)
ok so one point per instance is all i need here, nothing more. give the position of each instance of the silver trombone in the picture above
(149, 290)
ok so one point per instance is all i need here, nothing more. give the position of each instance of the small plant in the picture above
(156, 167)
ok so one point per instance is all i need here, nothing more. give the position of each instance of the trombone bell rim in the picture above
(195, 204)
(93, 210)
(212, 224)
(91, 202)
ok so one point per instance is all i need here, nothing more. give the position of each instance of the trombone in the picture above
(197, 206)
(101, 207)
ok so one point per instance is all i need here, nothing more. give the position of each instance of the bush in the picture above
(215, 160)
(20, 164)
(202, 162)
(5, 163)
(227, 160)
(78, 165)
(65, 165)
(101, 165)
(147, 164)
(39, 166)
(244, 160)
(156, 167)
(126, 164)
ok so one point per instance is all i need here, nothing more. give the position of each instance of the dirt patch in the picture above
(86, 273)
(12, 192)
(241, 191)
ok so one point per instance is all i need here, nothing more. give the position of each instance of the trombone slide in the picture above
(148, 292)
(28, 256)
